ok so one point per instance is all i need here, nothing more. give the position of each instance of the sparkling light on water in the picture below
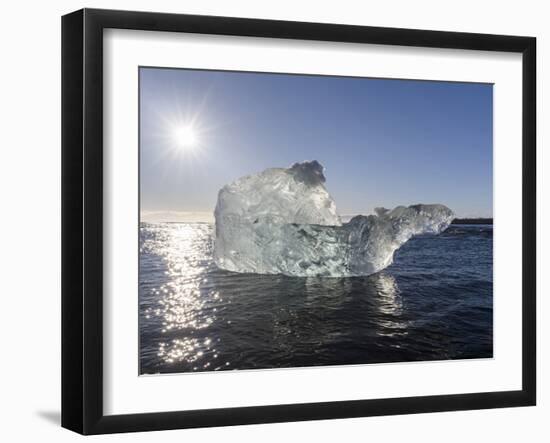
(390, 304)
(183, 309)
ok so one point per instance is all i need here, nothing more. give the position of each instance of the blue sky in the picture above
(382, 142)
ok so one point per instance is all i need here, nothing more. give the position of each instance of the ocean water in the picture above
(434, 302)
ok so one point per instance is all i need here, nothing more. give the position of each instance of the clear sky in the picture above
(382, 142)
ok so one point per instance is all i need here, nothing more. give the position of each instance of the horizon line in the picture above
(169, 216)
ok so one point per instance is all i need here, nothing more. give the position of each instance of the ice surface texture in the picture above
(283, 221)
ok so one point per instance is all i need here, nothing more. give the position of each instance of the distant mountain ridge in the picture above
(472, 221)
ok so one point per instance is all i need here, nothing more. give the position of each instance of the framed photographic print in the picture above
(270, 221)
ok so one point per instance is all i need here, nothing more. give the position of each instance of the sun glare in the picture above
(185, 137)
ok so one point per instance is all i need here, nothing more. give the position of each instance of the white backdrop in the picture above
(30, 219)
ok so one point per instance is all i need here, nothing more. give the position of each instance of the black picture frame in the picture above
(82, 219)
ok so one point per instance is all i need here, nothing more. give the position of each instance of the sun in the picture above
(185, 137)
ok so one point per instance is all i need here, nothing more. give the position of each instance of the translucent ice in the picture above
(283, 221)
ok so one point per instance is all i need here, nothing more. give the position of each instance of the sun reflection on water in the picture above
(390, 305)
(389, 297)
(182, 307)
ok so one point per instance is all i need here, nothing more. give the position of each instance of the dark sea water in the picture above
(434, 303)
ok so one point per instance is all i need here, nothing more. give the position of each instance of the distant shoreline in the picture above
(456, 221)
(472, 221)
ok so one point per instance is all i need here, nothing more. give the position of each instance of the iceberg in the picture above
(284, 221)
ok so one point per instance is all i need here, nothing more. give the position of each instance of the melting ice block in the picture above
(283, 221)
